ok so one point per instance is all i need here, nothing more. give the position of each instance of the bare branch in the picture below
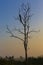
(8, 30)
(34, 31)
(16, 37)
(20, 18)
(12, 35)
(16, 18)
(19, 31)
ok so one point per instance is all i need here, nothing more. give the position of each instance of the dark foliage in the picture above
(12, 61)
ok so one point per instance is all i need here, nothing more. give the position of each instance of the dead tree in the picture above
(23, 17)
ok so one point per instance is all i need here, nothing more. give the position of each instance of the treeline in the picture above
(12, 61)
(35, 61)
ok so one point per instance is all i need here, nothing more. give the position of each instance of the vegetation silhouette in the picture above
(12, 61)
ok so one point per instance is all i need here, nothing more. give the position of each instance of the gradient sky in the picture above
(11, 46)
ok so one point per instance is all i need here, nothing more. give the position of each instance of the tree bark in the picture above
(25, 43)
(26, 56)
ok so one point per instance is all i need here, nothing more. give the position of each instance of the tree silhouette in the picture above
(23, 16)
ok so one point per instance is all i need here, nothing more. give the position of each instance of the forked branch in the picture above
(12, 35)
(19, 31)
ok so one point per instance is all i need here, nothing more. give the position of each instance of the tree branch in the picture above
(19, 31)
(34, 31)
(20, 18)
(12, 35)
(16, 37)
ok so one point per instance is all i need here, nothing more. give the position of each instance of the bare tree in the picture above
(23, 17)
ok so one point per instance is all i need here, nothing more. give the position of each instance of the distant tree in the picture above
(23, 16)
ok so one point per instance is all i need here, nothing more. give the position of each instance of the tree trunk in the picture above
(26, 56)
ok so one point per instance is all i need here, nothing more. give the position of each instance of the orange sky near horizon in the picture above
(11, 46)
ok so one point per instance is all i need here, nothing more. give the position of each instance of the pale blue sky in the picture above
(9, 8)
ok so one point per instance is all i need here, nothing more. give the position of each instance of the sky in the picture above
(14, 47)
